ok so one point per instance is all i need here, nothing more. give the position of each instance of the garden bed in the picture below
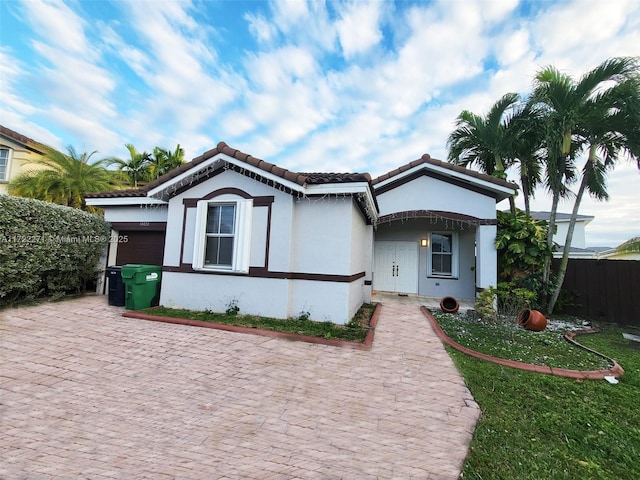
(358, 333)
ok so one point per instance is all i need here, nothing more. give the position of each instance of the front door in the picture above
(396, 267)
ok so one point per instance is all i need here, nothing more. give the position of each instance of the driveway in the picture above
(87, 393)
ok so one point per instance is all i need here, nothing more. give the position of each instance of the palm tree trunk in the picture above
(562, 270)
(552, 225)
(524, 181)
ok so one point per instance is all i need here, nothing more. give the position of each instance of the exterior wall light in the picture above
(424, 242)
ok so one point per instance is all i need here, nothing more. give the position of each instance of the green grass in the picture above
(536, 426)
(355, 331)
(504, 338)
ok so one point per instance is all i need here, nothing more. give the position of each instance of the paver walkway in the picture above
(86, 393)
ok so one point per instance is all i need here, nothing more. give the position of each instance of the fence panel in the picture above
(605, 290)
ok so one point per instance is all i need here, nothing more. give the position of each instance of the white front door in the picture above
(396, 267)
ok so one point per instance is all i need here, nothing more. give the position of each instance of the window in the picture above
(223, 235)
(443, 255)
(4, 164)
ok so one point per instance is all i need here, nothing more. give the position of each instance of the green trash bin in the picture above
(142, 285)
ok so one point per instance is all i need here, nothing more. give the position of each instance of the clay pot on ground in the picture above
(532, 320)
(449, 305)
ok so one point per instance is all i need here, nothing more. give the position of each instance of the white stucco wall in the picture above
(322, 236)
(427, 193)
(196, 291)
(578, 239)
(136, 213)
(307, 236)
(486, 257)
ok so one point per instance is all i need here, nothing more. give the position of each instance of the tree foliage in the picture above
(47, 249)
(64, 178)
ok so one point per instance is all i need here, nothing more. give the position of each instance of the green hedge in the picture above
(47, 249)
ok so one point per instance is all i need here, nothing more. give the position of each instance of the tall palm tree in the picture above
(136, 168)
(598, 115)
(484, 140)
(164, 160)
(525, 136)
(65, 178)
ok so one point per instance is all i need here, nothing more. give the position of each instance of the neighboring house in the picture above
(228, 227)
(629, 250)
(578, 245)
(16, 151)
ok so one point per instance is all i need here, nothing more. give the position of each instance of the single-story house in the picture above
(229, 228)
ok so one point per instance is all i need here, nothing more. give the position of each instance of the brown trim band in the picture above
(140, 226)
(260, 272)
(264, 201)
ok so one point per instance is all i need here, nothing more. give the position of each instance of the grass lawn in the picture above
(536, 426)
(354, 331)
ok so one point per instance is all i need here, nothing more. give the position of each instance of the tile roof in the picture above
(131, 192)
(12, 134)
(307, 178)
(426, 159)
(298, 178)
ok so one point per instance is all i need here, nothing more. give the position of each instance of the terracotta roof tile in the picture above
(22, 139)
(311, 178)
(426, 159)
(132, 192)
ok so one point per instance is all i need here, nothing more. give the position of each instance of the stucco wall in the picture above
(19, 158)
(136, 214)
(322, 236)
(427, 193)
(307, 236)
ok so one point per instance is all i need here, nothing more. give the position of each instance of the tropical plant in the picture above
(484, 141)
(525, 141)
(163, 161)
(64, 178)
(522, 250)
(136, 168)
(599, 114)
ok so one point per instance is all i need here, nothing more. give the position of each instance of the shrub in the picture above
(47, 249)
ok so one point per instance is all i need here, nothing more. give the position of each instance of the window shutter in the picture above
(242, 254)
(199, 237)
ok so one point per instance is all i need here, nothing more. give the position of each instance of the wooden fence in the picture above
(605, 290)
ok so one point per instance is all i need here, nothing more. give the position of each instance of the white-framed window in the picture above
(5, 154)
(223, 235)
(442, 260)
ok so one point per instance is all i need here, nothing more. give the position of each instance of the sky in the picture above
(310, 85)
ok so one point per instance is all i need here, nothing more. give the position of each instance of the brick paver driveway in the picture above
(86, 393)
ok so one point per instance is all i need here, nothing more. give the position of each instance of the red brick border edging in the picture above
(366, 345)
(615, 371)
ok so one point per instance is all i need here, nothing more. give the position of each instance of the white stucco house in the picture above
(228, 227)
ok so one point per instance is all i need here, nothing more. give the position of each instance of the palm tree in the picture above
(65, 178)
(136, 168)
(599, 114)
(484, 140)
(164, 161)
(525, 135)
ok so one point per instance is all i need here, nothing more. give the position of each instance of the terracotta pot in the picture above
(532, 320)
(449, 305)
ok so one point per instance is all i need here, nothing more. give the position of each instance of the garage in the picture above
(142, 244)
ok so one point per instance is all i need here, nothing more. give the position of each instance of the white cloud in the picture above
(260, 27)
(358, 28)
(60, 25)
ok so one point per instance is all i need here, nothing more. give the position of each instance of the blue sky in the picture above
(360, 86)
